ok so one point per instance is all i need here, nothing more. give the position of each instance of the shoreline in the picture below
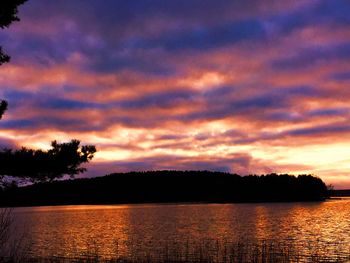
(176, 203)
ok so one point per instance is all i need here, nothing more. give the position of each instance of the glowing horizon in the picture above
(247, 87)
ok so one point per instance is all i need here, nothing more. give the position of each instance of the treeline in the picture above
(339, 193)
(169, 186)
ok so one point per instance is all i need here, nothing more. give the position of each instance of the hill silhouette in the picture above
(168, 186)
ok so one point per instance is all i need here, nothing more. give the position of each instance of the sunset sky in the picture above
(237, 86)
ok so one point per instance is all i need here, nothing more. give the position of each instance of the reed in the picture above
(12, 247)
(212, 251)
(6, 220)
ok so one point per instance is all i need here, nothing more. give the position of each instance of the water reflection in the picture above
(122, 230)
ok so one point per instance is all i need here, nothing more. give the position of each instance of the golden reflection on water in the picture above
(112, 230)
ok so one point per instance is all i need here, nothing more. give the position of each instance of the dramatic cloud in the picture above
(239, 86)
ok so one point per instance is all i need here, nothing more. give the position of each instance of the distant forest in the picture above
(169, 187)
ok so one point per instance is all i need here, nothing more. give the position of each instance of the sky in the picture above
(248, 87)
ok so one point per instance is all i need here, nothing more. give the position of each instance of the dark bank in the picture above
(168, 187)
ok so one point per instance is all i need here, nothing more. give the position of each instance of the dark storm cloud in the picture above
(312, 57)
(225, 104)
(330, 112)
(206, 38)
(318, 130)
(341, 76)
(48, 100)
(161, 100)
(137, 25)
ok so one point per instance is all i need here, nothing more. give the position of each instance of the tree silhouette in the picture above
(3, 107)
(38, 165)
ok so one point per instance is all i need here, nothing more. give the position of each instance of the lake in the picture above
(125, 230)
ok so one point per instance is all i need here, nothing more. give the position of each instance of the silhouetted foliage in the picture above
(38, 165)
(3, 57)
(170, 186)
(3, 108)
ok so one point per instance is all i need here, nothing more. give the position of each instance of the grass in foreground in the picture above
(204, 251)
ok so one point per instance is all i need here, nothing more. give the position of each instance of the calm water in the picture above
(126, 229)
